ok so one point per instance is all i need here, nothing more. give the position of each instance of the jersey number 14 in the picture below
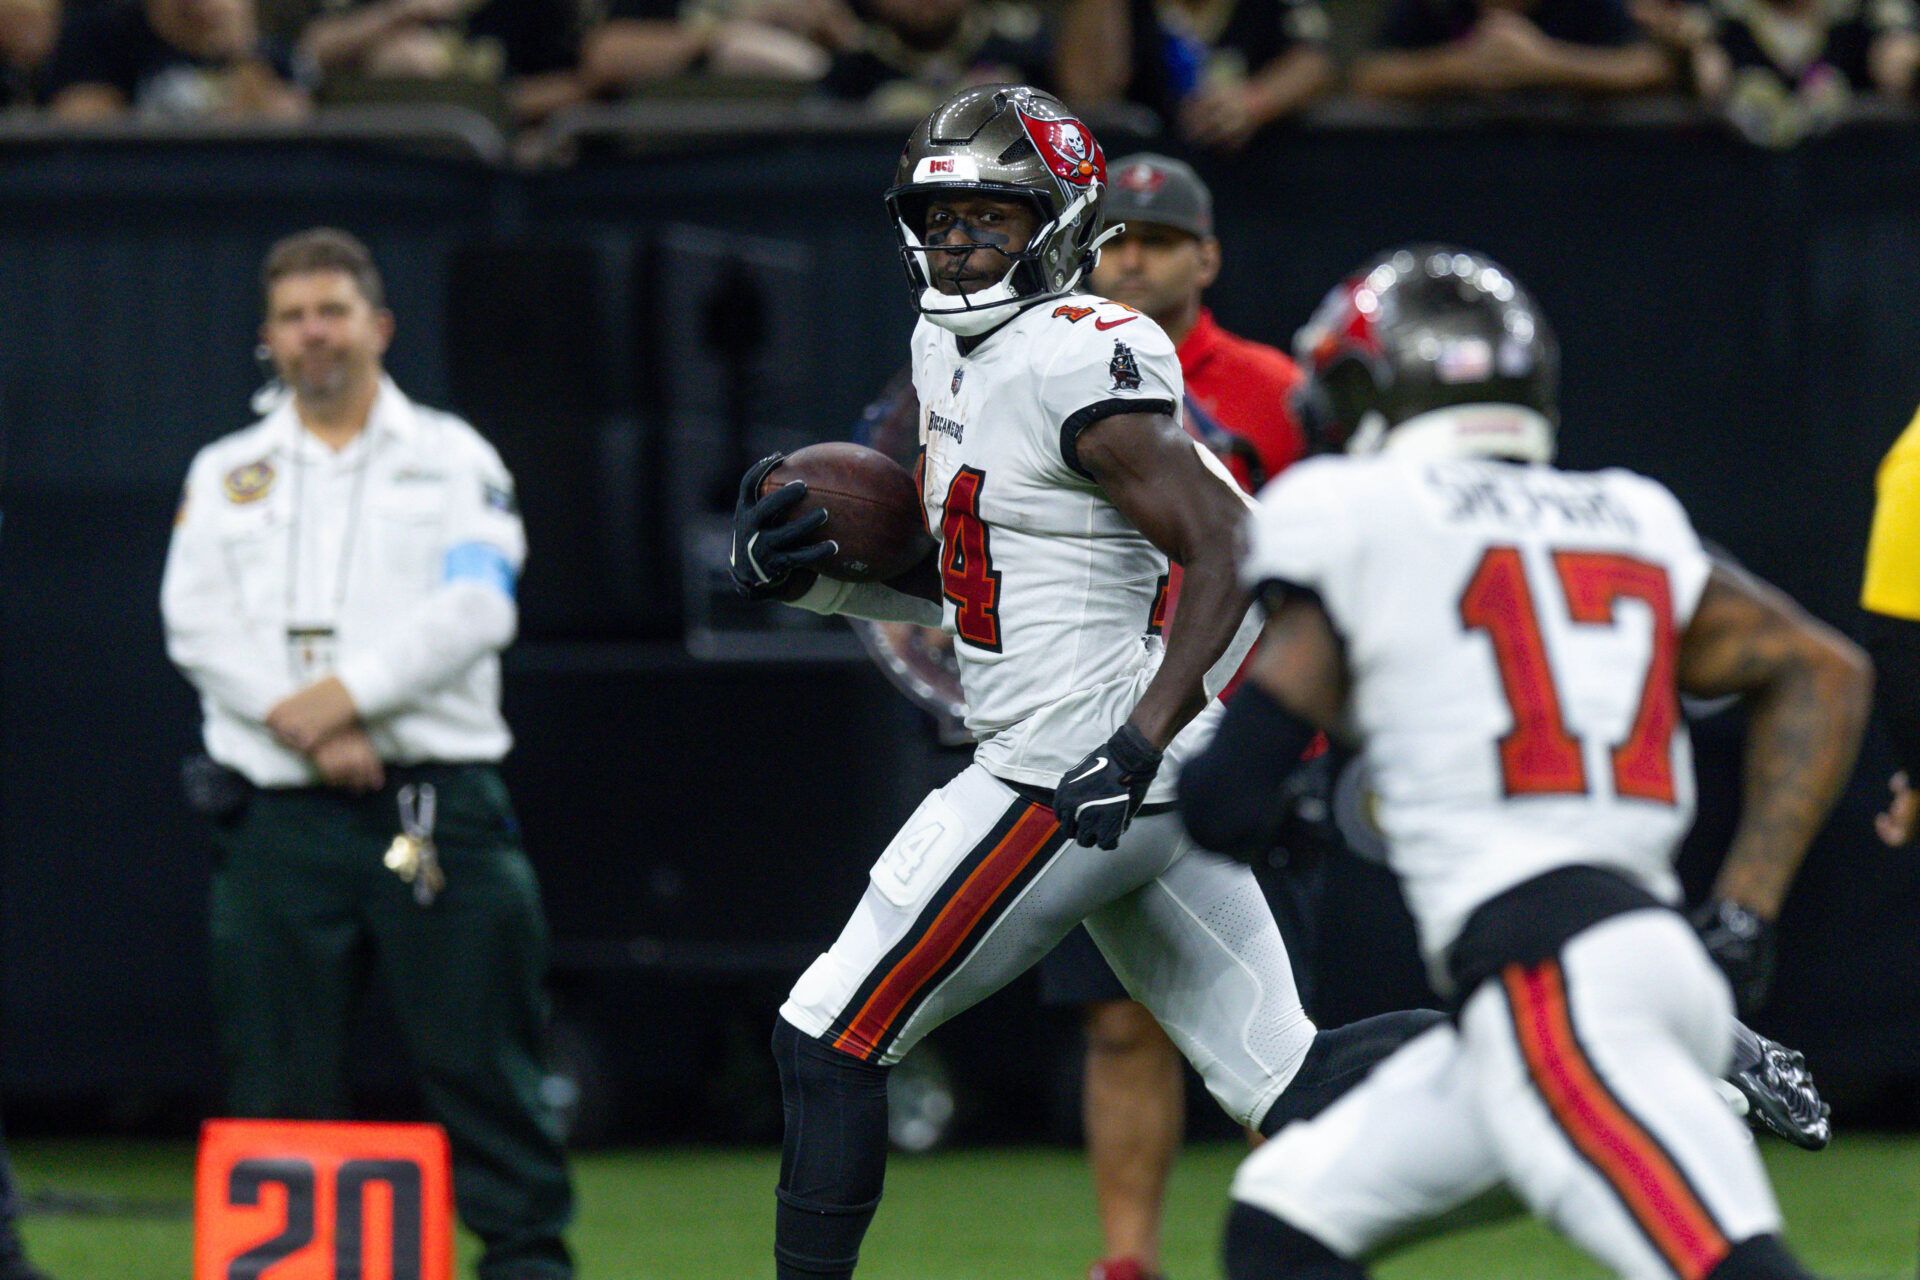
(967, 575)
(1539, 756)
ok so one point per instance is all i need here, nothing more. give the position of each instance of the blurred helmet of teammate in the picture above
(1433, 350)
(1011, 142)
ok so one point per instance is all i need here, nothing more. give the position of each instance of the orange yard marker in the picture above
(320, 1200)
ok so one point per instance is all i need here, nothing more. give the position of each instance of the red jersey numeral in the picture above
(1594, 582)
(1539, 756)
(967, 575)
(1157, 615)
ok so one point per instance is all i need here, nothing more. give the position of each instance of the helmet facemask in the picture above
(1049, 265)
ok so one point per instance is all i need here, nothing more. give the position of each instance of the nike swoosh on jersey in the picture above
(1114, 324)
(1099, 763)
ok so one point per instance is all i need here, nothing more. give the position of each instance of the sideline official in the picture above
(340, 585)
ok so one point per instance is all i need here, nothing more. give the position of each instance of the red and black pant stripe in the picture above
(1651, 1185)
(975, 895)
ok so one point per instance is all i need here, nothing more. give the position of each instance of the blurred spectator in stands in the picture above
(174, 59)
(1784, 69)
(913, 54)
(28, 29)
(1218, 72)
(645, 41)
(1455, 48)
(528, 47)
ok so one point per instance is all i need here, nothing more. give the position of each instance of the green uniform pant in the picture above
(304, 913)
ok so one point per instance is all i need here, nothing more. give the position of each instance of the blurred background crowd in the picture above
(1215, 72)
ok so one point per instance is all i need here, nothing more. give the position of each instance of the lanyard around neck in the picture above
(347, 539)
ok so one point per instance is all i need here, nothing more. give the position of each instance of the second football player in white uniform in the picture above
(1508, 642)
(1058, 480)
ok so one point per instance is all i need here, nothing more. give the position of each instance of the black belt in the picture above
(1533, 920)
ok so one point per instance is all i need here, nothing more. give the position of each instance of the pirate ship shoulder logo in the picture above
(1123, 369)
(249, 483)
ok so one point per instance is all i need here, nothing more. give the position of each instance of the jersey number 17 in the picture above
(1539, 756)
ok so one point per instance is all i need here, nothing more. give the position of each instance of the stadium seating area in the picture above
(1211, 75)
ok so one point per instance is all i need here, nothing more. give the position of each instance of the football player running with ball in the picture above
(1058, 480)
(1508, 642)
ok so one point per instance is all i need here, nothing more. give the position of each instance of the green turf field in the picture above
(1852, 1211)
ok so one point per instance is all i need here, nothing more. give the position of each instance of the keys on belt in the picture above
(412, 856)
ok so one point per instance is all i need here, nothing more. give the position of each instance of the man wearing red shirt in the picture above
(1236, 403)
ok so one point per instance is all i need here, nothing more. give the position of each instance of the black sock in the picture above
(1340, 1059)
(1760, 1258)
(833, 1159)
(1262, 1247)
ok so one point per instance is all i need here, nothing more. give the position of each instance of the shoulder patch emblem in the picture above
(1123, 369)
(249, 483)
(1072, 315)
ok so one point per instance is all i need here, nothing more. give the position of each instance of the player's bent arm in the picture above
(1230, 794)
(1152, 472)
(912, 596)
(1808, 689)
(909, 597)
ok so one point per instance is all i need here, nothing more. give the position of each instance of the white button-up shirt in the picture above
(391, 564)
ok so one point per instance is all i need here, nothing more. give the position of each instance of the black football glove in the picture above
(1098, 797)
(1742, 944)
(765, 550)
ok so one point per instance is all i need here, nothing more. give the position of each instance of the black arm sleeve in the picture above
(1895, 646)
(1231, 797)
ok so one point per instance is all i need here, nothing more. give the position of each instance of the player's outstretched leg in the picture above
(1340, 1059)
(833, 1158)
(1261, 1246)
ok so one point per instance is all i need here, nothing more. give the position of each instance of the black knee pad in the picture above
(1760, 1258)
(1260, 1246)
(833, 1159)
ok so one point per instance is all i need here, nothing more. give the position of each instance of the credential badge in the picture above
(249, 483)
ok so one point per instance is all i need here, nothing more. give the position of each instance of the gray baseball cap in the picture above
(1155, 188)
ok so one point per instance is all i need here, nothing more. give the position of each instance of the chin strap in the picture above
(979, 312)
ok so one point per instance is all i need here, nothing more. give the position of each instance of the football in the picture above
(873, 509)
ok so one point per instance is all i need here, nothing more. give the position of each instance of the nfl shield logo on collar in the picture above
(954, 389)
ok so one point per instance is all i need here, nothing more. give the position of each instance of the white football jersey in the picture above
(1052, 596)
(1512, 634)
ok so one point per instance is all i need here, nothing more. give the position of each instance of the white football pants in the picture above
(1585, 1082)
(980, 884)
